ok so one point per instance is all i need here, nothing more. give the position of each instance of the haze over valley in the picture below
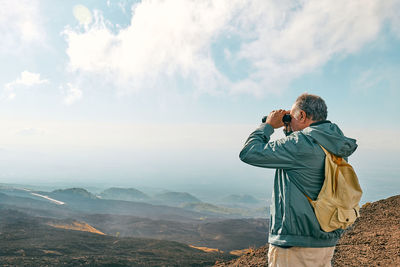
(228, 227)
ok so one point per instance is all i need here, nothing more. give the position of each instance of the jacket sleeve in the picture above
(279, 154)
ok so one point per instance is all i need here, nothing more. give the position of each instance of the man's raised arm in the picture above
(258, 151)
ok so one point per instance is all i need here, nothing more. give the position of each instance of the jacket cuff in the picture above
(267, 129)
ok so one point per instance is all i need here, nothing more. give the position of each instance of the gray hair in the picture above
(313, 105)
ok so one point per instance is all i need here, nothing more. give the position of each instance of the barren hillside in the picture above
(374, 239)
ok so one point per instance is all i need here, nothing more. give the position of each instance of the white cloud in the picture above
(73, 94)
(164, 38)
(30, 78)
(82, 14)
(278, 41)
(307, 37)
(381, 77)
(26, 79)
(30, 131)
(21, 26)
(393, 7)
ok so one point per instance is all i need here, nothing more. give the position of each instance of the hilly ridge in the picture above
(182, 204)
(80, 200)
(72, 193)
(175, 198)
(129, 194)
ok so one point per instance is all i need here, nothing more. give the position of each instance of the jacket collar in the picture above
(319, 122)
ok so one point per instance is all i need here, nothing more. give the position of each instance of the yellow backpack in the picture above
(337, 204)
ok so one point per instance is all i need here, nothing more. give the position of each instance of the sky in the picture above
(163, 94)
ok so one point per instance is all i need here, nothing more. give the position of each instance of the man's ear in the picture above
(303, 116)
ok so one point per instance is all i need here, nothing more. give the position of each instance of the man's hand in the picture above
(275, 118)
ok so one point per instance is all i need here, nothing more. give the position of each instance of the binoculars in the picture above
(286, 119)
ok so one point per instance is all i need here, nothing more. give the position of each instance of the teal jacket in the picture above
(300, 164)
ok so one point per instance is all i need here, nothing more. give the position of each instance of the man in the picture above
(295, 236)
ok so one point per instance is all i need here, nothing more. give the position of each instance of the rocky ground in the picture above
(31, 241)
(374, 240)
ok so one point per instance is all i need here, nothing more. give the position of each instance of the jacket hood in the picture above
(330, 136)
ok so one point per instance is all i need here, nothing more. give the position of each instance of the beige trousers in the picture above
(299, 256)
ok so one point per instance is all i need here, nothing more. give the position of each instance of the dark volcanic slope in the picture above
(225, 235)
(374, 239)
(27, 241)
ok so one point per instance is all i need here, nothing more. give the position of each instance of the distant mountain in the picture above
(36, 206)
(240, 199)
(128, 194)
(80, 200)
(74, 193)
(17, 192)
(175, 198)
(27, 193)
(30, 241)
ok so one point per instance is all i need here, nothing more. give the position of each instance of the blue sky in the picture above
(164, 93)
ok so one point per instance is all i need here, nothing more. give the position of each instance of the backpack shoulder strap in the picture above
(327, 154)
(323, 148)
